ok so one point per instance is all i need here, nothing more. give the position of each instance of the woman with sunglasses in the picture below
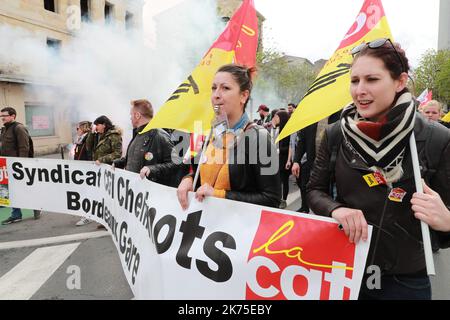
(81, 151)
(373, 174)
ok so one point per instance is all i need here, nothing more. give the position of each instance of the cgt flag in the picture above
(189, 107)
(330, 91)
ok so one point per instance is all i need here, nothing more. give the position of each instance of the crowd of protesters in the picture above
(329, 160)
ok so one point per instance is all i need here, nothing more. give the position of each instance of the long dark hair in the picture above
(284, 117)
(105, 121)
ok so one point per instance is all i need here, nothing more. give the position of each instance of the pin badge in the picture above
(397, 195)
(148, 156)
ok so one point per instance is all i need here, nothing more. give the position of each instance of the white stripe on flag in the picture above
(22, 281)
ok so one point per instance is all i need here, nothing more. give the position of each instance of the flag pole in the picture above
(220, 124)
(197, 172)
(419, 187)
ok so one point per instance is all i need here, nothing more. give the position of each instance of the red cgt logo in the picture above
(298, 258)
(3, 171)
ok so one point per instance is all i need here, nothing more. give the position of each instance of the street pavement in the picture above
(52, 259)
(81, 263)
(95, 259)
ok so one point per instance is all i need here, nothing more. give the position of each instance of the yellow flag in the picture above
(190, 104)
(446, 118)
(189, 108)
(330, 91)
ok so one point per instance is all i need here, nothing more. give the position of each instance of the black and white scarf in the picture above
(381, 144)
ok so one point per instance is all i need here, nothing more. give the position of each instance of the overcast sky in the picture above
(313, 29)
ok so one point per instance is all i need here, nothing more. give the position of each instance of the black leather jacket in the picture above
(253, 168)
(306, 143)
(396, 244)
(153, 149)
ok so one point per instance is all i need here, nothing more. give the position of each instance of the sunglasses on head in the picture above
(375, 44)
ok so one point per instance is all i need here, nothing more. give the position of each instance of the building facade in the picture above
(54, 23)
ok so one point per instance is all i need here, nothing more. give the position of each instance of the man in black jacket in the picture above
(150, 154)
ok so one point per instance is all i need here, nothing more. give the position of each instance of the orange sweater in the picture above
(214, 169)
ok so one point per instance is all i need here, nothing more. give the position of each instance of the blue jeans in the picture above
(16, 213)
(398, 287)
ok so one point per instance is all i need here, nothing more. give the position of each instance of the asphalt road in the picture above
(91, 270)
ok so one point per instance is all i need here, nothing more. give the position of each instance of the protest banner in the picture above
(218, 249)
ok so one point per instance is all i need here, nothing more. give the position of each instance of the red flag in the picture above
(427, 98)
(191, 103)
(241, 35)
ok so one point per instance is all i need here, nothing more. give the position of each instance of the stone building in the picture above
(54, 23)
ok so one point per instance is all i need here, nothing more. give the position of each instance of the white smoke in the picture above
(101, 69)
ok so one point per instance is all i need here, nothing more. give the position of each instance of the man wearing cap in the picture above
(263, 111)
(152, 153)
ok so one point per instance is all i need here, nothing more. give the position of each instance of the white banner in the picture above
(218, 249)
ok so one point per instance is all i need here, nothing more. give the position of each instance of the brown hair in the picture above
(11, 111)
(284, 117)
(242, 75)
(144, 107)
(392, 55)
(85, 126)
